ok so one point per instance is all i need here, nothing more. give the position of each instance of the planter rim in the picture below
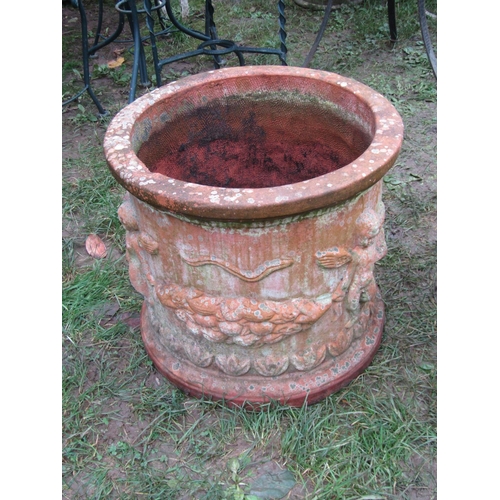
(204, 201)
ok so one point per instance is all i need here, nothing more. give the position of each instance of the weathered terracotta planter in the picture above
(254, 219)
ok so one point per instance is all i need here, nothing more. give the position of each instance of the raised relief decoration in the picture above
(334, 258)
(249, 322)
(257, 274)
(271, 366)
(139, 245)
(232, 365)
(357, 288)
(241, 320)
(309, 359)
(148, 243)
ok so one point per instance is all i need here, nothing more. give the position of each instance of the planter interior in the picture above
(254, 220)
(256, 140)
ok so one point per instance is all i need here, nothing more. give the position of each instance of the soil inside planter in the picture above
(255, 141)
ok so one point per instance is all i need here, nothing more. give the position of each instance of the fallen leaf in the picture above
(106, 312)
(233, 465)
(133, 320)
(117, 62)
(95, 246)
(106, 309)
(426, 367)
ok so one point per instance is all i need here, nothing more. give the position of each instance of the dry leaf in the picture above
(95, 246)
(131, 319)
(117, 62)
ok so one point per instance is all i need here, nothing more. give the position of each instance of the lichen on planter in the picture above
(254, 219)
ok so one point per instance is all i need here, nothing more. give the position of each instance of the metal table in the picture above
(160, 11)
(210, 44)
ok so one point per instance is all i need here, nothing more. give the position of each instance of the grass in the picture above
(127, 432)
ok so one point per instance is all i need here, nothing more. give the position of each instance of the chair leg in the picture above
(391, 11)
(85, 56)
(426, 37)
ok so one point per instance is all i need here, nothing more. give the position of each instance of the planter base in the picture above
(293, 389)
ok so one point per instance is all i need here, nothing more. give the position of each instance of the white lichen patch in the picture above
(134, 167)
(232, 198)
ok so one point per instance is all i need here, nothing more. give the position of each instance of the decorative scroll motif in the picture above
(246, 275)
(241, 320)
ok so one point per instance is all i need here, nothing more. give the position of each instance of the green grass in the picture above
(91, 196)
(127, 432)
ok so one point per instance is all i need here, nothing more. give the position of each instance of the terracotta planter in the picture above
(254, 219)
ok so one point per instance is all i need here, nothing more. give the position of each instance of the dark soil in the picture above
(253, 146)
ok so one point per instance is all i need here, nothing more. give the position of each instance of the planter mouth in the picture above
(253, 142)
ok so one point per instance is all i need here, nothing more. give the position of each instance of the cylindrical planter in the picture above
(254, 219)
